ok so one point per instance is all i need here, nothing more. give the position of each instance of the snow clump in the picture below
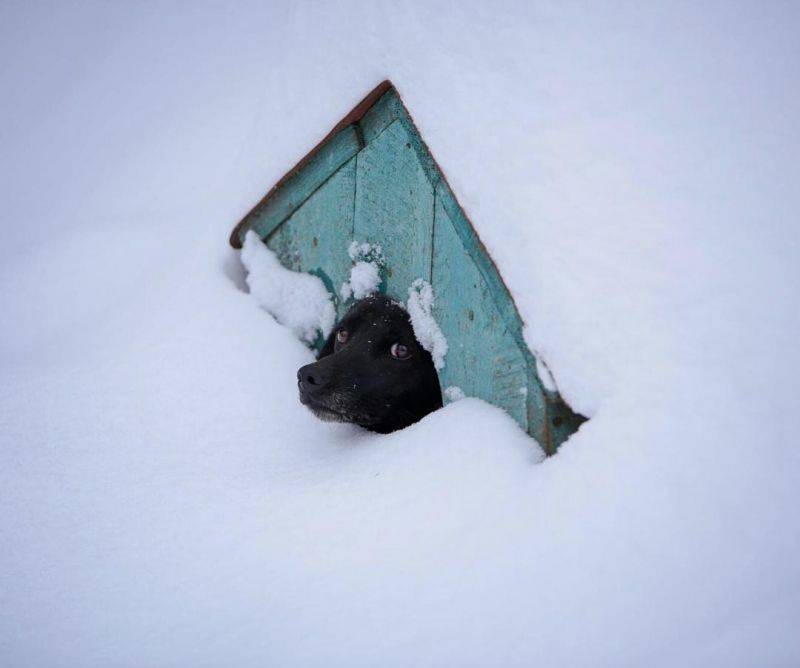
(365, 251)
(364, 281)
(365, 275)
(420, 306)
(295, 299)
(454, 393)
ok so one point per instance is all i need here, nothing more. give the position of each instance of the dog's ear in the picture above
(327, 349)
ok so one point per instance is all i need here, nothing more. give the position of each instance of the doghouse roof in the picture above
(373, 179)
(350, 119)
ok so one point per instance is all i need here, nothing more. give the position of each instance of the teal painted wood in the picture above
(480, 257)
(549, 419)
(394, 207)
(539, 424)
(562, 421)
(484, 360)
(374, 180)
(299, 186)
(381, 115)
(316, 236)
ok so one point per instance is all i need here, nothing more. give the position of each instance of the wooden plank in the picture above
(539, 426)
(279, 204)
(545, 415)
(386, 111)
(484, 359)
(383, 113)
(315, 238)
(480, 256)
(562, 421)
(550, 420)
(394, 207)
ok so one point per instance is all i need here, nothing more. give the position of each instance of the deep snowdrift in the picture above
(165, 498)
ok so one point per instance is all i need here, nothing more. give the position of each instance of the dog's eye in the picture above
(400, 351)
(341, 335)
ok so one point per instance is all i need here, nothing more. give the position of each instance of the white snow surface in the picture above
(426, 329)
(295, 299)
(164, 498)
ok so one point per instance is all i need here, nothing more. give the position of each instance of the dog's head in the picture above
(372, 371)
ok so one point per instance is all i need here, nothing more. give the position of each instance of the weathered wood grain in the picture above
(383, 113)
(271, 212)
(394, 207)
(484, 360)
(316, 236)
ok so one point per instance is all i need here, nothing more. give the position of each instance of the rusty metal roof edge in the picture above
(353, 116)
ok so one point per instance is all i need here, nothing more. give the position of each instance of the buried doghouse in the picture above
(372, 180)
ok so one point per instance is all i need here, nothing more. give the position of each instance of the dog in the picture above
(372, 371)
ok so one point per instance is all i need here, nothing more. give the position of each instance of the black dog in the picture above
(372, 371)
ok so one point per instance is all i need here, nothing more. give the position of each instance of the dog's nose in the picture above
(305, 376)
(309, 375)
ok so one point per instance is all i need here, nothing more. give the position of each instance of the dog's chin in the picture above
(328, 413)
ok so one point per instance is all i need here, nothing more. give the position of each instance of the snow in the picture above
(420, 310)
(366, 251)
(166, 500)
(453, 393)
(365, 275)
(295, 299)
(364, 280)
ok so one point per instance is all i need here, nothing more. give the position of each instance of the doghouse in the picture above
(372, 179)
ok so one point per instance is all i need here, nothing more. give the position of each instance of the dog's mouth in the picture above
(323, 412)
(329, 411)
